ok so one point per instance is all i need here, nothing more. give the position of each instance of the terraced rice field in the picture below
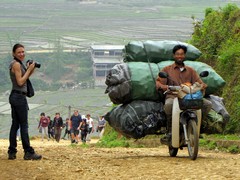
(46, 24)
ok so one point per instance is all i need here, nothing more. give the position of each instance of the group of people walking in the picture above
(50, 128)
(77, 127)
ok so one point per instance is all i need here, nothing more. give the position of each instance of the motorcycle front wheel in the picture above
(193, 143)
(172, 151)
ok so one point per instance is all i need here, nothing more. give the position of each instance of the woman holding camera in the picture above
(19, 106)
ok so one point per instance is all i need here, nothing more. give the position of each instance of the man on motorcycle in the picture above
(179, 74)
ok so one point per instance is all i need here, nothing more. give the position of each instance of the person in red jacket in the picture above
(43, 124)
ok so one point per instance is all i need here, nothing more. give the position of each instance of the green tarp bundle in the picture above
(143, 77)
(156, 51)
(139, 83)
(213, 124)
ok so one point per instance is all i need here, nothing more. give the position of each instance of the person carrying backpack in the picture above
(84, 130)
(75, 122)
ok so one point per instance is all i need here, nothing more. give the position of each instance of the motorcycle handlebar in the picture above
(174, 88)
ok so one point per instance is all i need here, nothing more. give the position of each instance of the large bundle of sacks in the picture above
(156, 51)
(137, 118)
(133, 82)
(136, 80)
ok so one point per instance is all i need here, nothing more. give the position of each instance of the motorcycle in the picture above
(186, 122)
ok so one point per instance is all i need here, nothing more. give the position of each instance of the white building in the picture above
(104, 57)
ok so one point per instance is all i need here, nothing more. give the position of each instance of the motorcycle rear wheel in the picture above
(193, 143)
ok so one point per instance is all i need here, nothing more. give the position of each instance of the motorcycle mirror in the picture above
(162, 74)
(204, 74)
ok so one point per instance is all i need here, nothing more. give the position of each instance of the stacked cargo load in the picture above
(133, 82)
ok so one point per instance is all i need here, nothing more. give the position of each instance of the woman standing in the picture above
(19, 106)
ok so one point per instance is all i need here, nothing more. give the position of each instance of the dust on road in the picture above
(63, 161)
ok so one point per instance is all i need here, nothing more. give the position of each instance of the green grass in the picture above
(211, 145)
(210, 142)
(234, 149)
(213, 142)
(111, 140)
(224, 137)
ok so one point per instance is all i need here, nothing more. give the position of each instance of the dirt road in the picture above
(63, 161)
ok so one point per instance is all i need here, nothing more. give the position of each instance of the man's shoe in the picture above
(166, 139)
(32, 156)
(12, 156)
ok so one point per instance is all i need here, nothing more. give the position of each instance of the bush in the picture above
(111, 139)
(218, 37)
(234, 149)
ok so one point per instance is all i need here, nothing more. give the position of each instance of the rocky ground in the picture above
(65, 161)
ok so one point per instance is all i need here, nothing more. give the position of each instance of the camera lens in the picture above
(37, 65)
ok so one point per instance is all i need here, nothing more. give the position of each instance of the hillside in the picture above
(217, 36)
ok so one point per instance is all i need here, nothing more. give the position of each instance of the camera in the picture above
(37, 65)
